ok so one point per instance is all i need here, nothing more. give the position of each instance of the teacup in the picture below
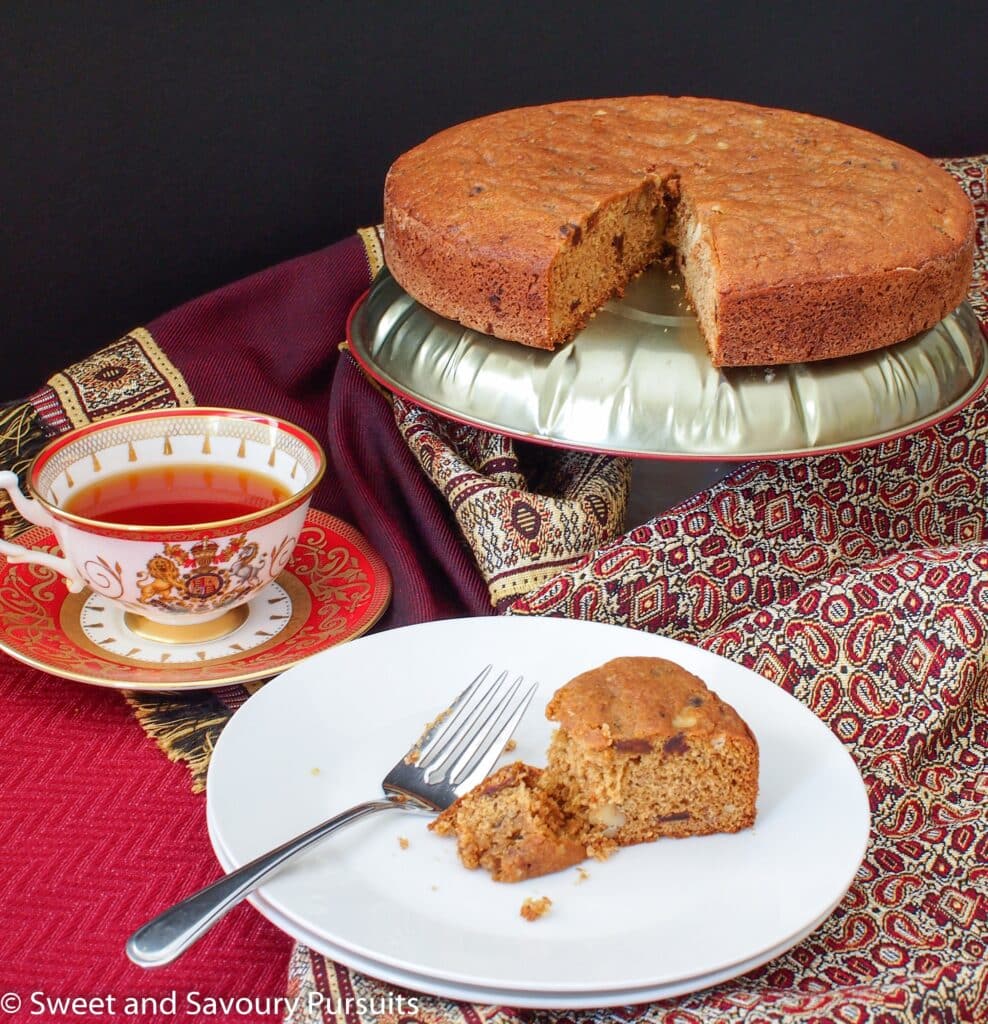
(179, 516)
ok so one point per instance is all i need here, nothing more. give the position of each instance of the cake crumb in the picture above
(509, 746)
(600, 849)
(532, 909)
(412, 757)
(315, 771)
(582, 875)
(403, 842)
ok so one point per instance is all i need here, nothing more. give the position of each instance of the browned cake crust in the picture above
(644, 750)
(799, 238)
(509, 826)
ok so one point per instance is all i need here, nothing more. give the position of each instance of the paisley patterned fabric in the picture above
(859, 583)
(525, 512)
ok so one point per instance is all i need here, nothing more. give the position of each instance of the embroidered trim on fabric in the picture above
(22, 436)
(524, 524)
(132, 373)
(373, 248)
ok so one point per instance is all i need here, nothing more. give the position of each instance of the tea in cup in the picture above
(180, 516)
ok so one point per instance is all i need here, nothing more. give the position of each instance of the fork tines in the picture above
(469, 737)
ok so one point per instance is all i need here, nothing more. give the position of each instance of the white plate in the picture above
(510, 997)
(321, 737)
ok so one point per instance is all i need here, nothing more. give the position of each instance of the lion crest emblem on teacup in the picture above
(203, 573)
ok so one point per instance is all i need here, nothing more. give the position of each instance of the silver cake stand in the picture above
(637, 381)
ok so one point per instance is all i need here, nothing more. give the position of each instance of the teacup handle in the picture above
(37, 514)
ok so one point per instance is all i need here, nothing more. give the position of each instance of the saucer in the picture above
(334, 588)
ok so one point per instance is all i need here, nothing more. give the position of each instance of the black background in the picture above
(155, 151)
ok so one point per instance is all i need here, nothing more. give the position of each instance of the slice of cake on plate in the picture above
(643, 750)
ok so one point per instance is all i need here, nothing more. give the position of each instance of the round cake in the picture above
(798, 238)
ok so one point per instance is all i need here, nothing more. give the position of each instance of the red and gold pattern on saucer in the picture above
(334, 588)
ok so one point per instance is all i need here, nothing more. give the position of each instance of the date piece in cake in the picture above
(798, 238)
(511, 827)
(644, 749)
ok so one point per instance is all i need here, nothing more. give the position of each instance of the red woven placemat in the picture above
(99, 833)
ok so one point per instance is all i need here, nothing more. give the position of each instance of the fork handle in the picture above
(171, 933)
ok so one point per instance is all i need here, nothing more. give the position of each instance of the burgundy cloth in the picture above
(271, 343)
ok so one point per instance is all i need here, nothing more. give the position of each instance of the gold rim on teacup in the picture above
(204, 412)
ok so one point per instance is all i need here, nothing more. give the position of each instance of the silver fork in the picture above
(455, 752)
